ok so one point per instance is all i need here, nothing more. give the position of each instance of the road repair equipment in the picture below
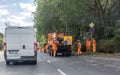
(64, 43)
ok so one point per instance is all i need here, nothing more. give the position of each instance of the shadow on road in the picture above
(21, 64)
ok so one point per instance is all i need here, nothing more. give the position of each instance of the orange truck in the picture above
(64, 43)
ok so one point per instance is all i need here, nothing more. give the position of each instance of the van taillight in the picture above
(35, 47)
(4, 44)
(35, 44)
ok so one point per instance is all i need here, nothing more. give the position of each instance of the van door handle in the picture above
(23, 46)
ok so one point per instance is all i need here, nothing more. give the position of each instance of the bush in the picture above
(74, 47)
(109, 46)
(116, 40)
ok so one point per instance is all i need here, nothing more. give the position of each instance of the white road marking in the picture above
(49, 61)
(89, 60)
(94, 64)
(61, 72)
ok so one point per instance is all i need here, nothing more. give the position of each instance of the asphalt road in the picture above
(69, 65)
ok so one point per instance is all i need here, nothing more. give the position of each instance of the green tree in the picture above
(74, 16)
(1, 40)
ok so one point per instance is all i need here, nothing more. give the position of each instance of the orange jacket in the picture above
(88, 43)
(94, 43)
(40, 48)
(54, 46)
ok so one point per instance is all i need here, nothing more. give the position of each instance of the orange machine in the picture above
(63, 43)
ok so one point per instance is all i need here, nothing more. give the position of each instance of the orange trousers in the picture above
(79, 51)
(87, 49)
(94, 49)
(54, 53)
(40, 50)
(47, 50)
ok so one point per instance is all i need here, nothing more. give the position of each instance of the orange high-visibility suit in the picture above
(88, 45)
(40, 49)
(46, 48)
(79, 47)
(94, 45)
(54, 47)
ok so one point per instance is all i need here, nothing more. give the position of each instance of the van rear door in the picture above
(27, 39)
(12, 43)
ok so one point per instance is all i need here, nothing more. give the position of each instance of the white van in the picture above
(20, 44)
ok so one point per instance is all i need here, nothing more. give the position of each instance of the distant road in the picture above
(73, 65)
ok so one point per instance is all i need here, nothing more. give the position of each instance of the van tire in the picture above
(35, 62)
(7, 62)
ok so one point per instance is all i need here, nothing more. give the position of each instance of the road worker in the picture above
(79, 47)
(54, 47)
(88, 46)
(93, 45)
(46, 48)
(40, 49)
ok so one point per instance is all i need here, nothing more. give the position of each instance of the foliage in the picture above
(74, 16)
(1, 40)
(109, 46)
(41, 39)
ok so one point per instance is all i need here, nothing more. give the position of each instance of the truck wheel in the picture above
(7, 62)
(51, 53)
(63, 54)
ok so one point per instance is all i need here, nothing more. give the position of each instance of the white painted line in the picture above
(89, 60)
(49, 61)
(61, 72)
(94, 64)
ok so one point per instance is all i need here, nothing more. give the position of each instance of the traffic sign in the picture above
(92, 30)
(91, 25)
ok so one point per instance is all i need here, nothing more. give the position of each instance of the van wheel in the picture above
(7, 62)
(63, 54)
(35, 62)
(70, 54)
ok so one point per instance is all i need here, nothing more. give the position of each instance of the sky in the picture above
(16, 13)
